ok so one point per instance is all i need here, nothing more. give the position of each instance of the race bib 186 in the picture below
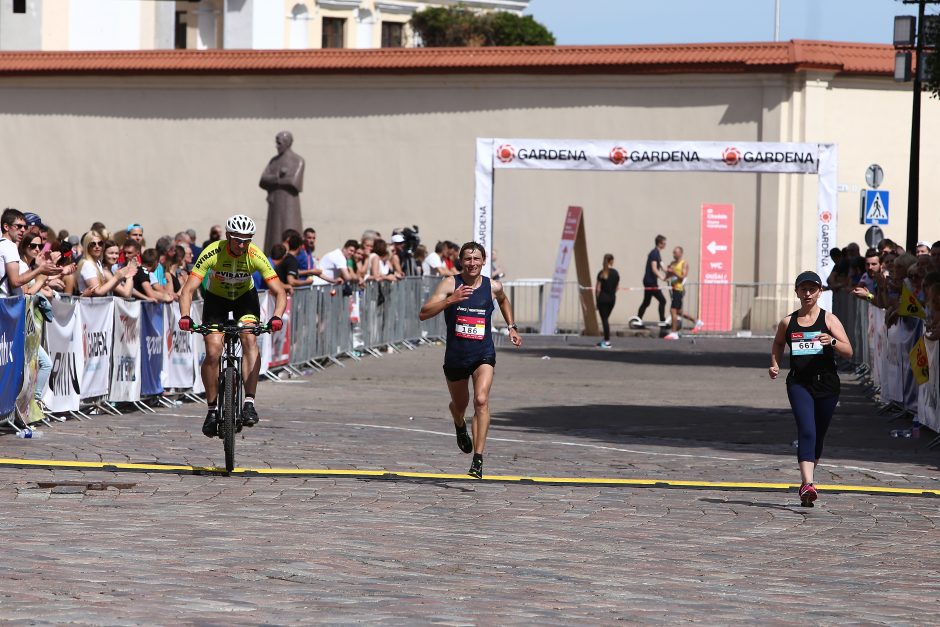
(805, 343)
(470, 327)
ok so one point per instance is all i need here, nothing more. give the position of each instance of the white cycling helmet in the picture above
(240, 224)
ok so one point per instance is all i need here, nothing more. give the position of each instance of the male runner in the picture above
(676, 274)
(652, 274)
(467, 302)
(230, 263)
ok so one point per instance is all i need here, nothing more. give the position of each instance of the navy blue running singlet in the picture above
(469, 336)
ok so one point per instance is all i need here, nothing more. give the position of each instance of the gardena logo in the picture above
(731, 156)
(549, 154)
(618, 155)
(506, 153)
(825, 216)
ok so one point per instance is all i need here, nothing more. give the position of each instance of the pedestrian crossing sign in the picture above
(876, 206)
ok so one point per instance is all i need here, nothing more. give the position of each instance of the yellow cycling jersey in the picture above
(230, 277)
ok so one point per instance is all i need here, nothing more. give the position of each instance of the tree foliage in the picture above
(461, 27)
(932, 57)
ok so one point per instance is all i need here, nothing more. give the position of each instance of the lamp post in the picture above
(908, 35)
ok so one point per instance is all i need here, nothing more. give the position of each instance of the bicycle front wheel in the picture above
(229, 408)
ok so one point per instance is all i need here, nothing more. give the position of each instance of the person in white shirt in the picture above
(434, 264)
(13, 225)
(335, 264)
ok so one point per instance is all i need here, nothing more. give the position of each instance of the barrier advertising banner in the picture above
(98, 331)
(12, 348)
(125, 376)
(151, 348)
(65, 346)
(715, 291)
(280, 341)
(178, 366)
(26, 406)
(199, 349)
(264, 340)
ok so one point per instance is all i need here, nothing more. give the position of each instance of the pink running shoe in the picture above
(808, 494)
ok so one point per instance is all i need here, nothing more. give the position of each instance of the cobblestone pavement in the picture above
(137, 548)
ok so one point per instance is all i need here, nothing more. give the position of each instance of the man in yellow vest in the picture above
(675, 274)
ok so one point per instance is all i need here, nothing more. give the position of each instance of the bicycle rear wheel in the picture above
(229, 408)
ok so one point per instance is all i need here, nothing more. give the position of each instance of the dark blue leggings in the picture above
(813, 416)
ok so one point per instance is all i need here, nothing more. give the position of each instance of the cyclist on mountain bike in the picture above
(230, 263)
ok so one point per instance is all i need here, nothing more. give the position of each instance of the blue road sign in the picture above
(876, 206)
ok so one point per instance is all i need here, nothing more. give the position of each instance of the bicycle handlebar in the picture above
(233, 328)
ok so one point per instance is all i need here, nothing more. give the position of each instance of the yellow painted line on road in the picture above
(54, 464)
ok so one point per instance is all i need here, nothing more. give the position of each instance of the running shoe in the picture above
(604, 344)
(476, 469)
(210, 428)
(671, 336)
(249, 415)
(699, 325)
(808, 494)
(464, 441)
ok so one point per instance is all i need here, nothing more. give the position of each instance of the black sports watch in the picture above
(513, 327)
(833, 342)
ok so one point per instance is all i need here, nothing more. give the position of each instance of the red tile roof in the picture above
(783, 57)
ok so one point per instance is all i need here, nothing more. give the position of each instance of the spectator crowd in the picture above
(34, 258)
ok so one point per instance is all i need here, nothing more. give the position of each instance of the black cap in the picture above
(808, 277)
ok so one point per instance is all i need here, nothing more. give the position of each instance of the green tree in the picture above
(932, 56)
(461, 27)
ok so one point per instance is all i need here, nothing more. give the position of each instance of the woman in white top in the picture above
(93, 280)
(380, 267)
(125, 284)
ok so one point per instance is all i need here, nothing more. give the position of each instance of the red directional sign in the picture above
(714, 301)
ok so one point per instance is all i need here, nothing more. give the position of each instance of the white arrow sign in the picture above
(714, 247)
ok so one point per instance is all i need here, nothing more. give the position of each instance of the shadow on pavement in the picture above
(796, 510)
(732, 428)
(715, 359)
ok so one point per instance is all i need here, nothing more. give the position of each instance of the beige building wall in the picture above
(389, 151)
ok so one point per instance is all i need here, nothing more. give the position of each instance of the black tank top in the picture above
(469, 330)
(812, 364)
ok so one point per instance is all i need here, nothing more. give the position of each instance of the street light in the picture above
(909, 34)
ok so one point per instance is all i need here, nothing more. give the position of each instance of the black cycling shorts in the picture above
(245, 308)
(676, 300)
(463, 373)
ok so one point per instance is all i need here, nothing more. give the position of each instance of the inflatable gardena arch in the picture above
(654, 156)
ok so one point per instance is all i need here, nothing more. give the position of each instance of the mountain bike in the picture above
(230, 380)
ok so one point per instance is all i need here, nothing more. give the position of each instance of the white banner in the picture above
(125, 377)
(827, 217)
(654, 156)
(199, 349)
(927, 410)
(178, 369)
(98, 329)
(483, 201)
(64, 339)
(264, 340)
(562, 261)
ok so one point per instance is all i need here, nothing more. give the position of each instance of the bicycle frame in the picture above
(231, 386)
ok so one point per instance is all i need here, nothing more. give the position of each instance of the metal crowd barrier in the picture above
(323, 327)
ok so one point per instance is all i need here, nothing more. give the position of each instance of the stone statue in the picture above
(283, 179)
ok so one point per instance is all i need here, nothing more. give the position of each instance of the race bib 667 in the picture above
(805, 343)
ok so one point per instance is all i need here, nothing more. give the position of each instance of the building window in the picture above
(393, 34)
(179, 31)
(333, 30)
